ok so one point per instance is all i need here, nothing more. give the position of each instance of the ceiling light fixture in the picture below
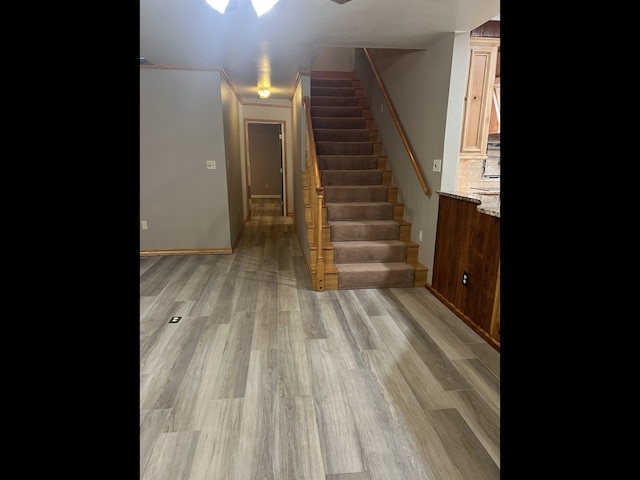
(264, 92)
(263, 6)
(260, 6)
(219, 5)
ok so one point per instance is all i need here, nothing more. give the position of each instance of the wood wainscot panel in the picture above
(468, 244)
(452, 246)
(483, 263)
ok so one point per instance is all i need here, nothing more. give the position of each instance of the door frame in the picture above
(283, 163)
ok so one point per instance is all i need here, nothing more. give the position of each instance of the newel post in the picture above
(320, 257)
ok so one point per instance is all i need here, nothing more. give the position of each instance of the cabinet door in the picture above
(479, 96)
(494, 123)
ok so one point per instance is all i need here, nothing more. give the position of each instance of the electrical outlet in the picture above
(437, 165)
(211, 164)
(465, 279)
(143, 223)
(420, 236)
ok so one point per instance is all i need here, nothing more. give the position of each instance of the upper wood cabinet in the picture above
(479, 97)
(494, 123)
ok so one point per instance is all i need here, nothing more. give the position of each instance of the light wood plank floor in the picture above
(262, 378)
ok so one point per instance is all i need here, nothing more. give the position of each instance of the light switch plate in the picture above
(437, 165)
(211, 164)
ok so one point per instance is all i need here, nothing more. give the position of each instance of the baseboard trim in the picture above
(195, 251)
(465, 318)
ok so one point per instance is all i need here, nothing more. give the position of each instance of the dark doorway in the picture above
(265, 164)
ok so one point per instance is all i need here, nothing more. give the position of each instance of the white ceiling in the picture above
(286, 40)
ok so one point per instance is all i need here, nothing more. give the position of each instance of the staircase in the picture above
(368, 235)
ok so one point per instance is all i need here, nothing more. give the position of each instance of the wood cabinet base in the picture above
(490, 340)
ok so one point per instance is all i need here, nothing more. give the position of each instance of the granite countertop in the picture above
(488, 201)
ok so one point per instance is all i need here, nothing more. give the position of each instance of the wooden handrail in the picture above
(403, 137)
(312, 146)
(317, 200)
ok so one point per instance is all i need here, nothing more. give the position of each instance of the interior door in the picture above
(265, 172)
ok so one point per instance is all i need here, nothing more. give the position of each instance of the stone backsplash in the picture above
(481, 174)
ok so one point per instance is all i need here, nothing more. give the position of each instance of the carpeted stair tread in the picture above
(347, 162)
(356, 193)
(339, 122)
(332, 111)
(349, 230)
(369, 251)
(375, 275)
(342, 135)
(332, 91)
(351, 177)
(339, 211)
(335, 100)
(331, 82)
(344, 148)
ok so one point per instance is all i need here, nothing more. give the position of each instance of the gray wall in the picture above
(427, 91)
(232, 145)
(186, 205)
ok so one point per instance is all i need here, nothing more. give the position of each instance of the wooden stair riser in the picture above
(412, 254)
(405, 232)
(392, 194)
(398, 212)
(420, 279)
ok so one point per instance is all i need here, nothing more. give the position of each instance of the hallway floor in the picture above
(264, 378)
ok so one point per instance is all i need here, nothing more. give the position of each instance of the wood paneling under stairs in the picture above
(265, 378)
